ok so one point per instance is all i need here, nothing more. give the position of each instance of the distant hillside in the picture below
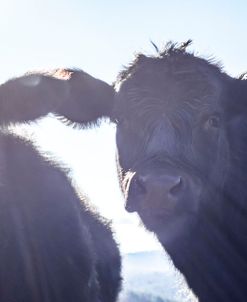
(138, 297)
(151, 277)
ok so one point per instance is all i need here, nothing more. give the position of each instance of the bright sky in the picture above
(100, 37)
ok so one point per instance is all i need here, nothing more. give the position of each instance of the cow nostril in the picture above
(177, 186)
(140, 185)
(135, 194)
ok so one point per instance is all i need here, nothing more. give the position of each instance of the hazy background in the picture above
(100, 37)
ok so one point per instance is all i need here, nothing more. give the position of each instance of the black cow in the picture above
(182, 143)
(53, 247)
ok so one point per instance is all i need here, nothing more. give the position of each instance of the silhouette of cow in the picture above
(53, 247)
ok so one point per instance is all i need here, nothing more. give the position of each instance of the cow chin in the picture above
(169, 227)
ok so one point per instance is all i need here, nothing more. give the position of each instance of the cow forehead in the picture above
(160, 95)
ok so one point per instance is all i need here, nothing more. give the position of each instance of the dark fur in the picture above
(52, 246)
(181, 119)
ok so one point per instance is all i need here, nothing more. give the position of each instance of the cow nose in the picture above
(169, 184)
(153, 187)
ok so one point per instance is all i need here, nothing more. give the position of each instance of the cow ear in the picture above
(88, 99)
(236, 117)
(235, 97)
(73, 94)
(241, 92)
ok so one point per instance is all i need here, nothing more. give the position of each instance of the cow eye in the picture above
(213, 121)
